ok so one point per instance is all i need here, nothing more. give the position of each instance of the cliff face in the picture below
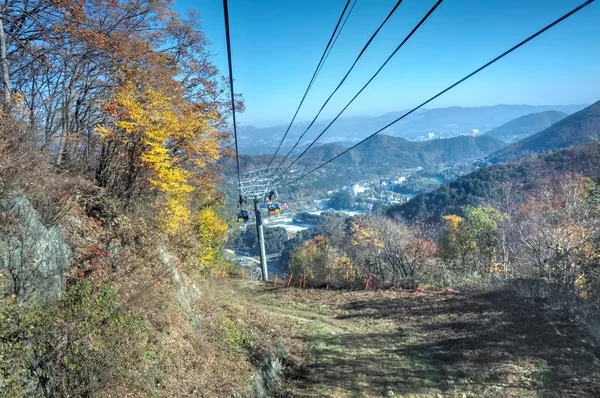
(34, 258)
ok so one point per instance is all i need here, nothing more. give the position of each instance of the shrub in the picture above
(72, 348)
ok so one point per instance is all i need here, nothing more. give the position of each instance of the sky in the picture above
(276, 45)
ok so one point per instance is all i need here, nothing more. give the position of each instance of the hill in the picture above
(395, 152)
(484, 183)
(443, 122)
(525, 126)
(579, 128)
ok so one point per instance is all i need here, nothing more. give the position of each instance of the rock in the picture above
(34, 258)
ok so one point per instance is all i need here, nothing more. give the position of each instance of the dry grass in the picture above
(211, 351)
(206, 344)
(479, 344)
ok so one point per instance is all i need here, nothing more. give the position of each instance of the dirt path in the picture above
(356, 344)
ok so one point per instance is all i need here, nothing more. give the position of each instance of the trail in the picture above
(373, 344)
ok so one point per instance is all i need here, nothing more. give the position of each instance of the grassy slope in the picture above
(197, 337)
(356, 344)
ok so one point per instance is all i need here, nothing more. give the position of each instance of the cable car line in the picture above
(342, 81)
(314, 76)
(336, 37)
(539, 32)
(363, 87)
(242, 216)
(235, 138)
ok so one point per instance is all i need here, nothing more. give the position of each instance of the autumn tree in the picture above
(388, 248)
(471, 243)
(557, 228)
(318, 260)
(125, 93)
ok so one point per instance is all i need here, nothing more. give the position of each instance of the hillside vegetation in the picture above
(488, 183)
(525, 126)
(393, 152)
(576, 129)
(111, 233)
(113, 276)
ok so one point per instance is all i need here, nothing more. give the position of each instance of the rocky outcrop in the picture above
(34, 258)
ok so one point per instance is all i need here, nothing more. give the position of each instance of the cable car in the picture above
(274, 209)
(242, 216)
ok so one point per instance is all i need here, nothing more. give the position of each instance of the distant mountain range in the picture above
(383, 151)
(441, 122)
(525, 126)
(576, 129)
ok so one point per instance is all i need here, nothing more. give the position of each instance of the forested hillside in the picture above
(576, 129)
(525, 126)
(493, 182)
(387, 151)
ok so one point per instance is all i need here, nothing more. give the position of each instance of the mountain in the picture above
(481, 185)
(395, 152)
(442, 122)
(525, 126)
(579, 128)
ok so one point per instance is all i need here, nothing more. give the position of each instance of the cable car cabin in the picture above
(243, 216)
(274, 209)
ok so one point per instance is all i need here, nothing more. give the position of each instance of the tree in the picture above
(379, 207)
(275, 239)
(556, 230)
(333, 225)
(470, 243)
(341, 200)
(318, 261)
(387, 248)
(164, 139)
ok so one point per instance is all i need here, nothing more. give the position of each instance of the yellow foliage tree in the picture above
(176, 138)
(211, 231)
(453, 222)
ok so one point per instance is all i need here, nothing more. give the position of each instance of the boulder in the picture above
(34, 258)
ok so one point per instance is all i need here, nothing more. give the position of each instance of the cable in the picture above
(340, 83)
(338, 35)
(228, 38)
(539, 32)
(365, 86)
(312, 80)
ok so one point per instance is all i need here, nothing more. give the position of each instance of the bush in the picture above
(76, 347)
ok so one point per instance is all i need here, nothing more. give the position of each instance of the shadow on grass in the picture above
(490, 344)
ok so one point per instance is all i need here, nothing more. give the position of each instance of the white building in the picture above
(357, 188)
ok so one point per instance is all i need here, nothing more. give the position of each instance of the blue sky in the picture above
(276, 45)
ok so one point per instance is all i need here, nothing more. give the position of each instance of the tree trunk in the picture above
(68, 102)
(4, 68)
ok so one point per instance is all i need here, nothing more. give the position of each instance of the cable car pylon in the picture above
(258, 189)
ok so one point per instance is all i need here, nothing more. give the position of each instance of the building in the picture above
(357, 188)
